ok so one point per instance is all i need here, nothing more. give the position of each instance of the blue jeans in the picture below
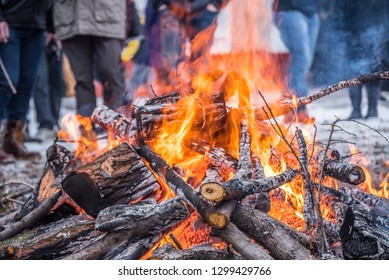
(299, 34)
(20, 57)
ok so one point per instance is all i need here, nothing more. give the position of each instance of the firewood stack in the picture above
(115, 206)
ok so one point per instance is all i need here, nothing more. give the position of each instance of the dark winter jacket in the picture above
(359, 15)
(133, 25)
(36, 14)
(307, 7)
(189, 6)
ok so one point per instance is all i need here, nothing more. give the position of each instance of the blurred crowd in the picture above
(52, 48)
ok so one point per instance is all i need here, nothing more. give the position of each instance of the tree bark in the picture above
(47, 241)
(199, 252)
(117, 176)
(132, 221)
(33, 217)
(344, 172)
(364, 234)
(141, 218)
(282, 242)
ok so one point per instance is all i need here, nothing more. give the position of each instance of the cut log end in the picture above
(218, 220)
(212, 191)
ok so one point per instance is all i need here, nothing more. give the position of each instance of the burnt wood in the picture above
(117, 176)
(131, 222)
(48, 241)
(364, 234)
(199, 252)
(32, 218)
(281, 241)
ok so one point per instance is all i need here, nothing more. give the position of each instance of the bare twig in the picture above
(152, 90)
(277, 127)
(17, 183)
(360, 123)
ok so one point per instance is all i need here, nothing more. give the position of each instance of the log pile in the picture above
(107, 208)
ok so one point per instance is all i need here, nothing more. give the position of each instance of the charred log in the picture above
(117, 176)
(219, 217)
(199, 252)
(344, 172)
(310, 217)
(48, 241)
(142, 218)
(236, 189)
(33, 217)
(134, 250)
(131, 222)
(351, 196)
(364, 234)
(281, 241)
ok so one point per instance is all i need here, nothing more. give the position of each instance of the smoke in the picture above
(351, 40)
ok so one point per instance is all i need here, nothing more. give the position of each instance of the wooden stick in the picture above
(282, 242)
(32, 218)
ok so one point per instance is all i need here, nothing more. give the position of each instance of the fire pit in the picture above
(190, 176)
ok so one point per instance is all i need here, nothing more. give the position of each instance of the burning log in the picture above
(141, 218)
(126, 222)
(344, 172)
(235, 237)
(117, 176)
(282, 242)
(364, 234)
(309, 213)
(48, 241)
(217, 157)
(200, 252)
(242, 184)
(122, 127)
(237, 189)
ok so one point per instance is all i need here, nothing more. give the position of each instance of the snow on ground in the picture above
(372, 146)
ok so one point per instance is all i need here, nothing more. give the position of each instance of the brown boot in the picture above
(13, 141)
(5, 158)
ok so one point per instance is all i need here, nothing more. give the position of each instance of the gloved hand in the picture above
(131, 48)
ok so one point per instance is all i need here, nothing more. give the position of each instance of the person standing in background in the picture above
(298, 22)
(366, 25)
(22, 26)
(92, 33)
(48, 90)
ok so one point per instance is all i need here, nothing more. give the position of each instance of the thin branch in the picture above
(278, 130)
(360, 123)
(152, 90)
(17, 183)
